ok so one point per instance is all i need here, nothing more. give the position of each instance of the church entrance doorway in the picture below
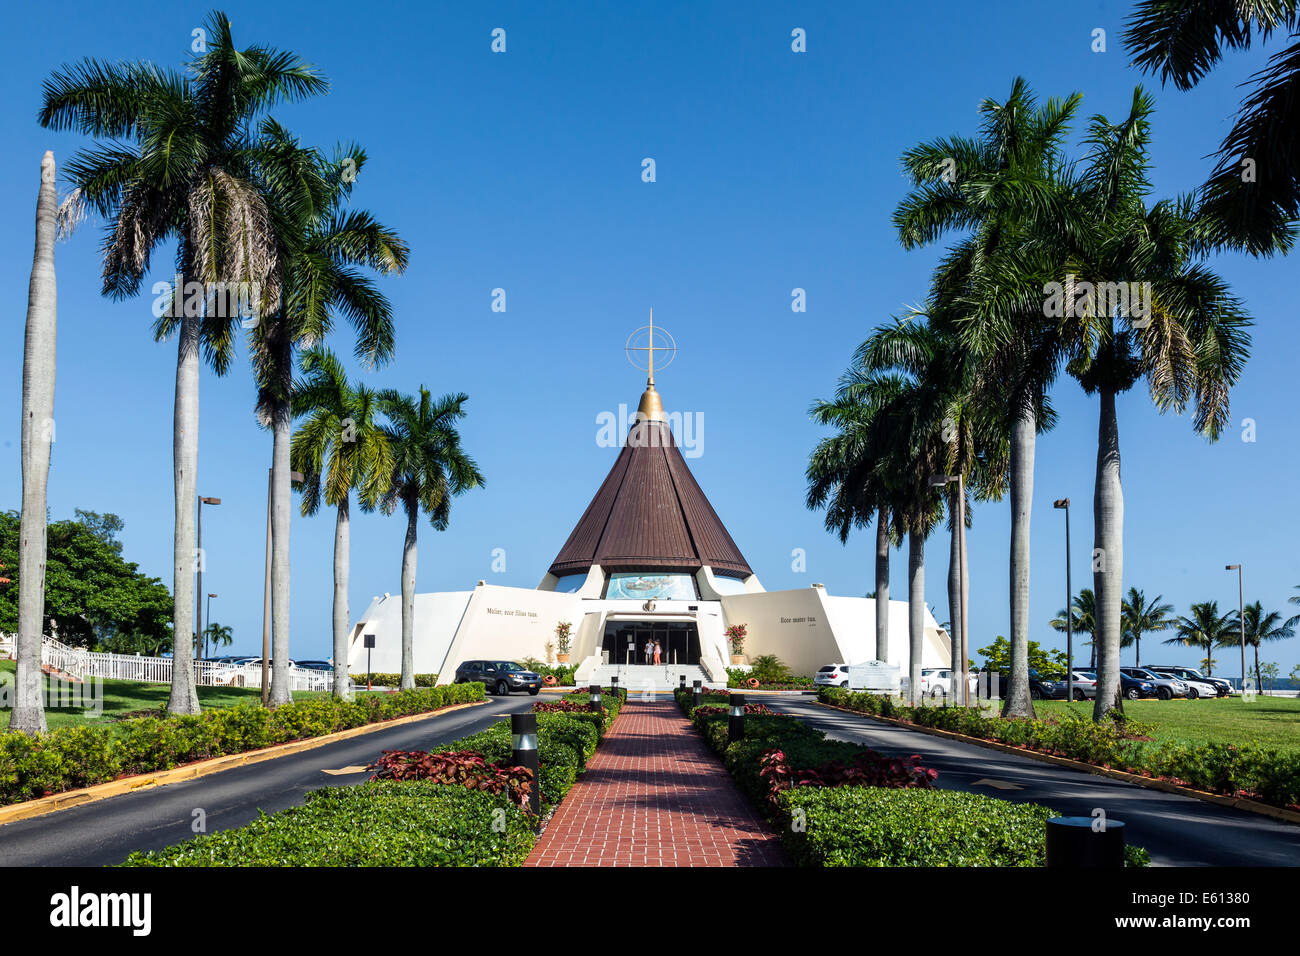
(679, 642)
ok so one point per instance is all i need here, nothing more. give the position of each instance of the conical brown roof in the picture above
(650, 515)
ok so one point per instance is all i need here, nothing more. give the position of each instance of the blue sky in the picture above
(522, 171)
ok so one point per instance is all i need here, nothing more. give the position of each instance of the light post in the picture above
(199, 590)
(1064, 505)
(266, 591)
(961, 695)
(523, 744)
(736, 718)
(1241, 616)
(210, 597)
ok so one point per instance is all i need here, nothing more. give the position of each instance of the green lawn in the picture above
(1272, 722)
(122, 697)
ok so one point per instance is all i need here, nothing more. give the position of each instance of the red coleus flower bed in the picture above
(867, 769)
(464, 768)
(561, 707)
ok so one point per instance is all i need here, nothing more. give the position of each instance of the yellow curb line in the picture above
(201, 768)
(1151, 783)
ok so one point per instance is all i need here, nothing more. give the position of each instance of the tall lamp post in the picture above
(199, 590)
(1241, 616)
(210, 597)
(266, 591)
(961, 695)
(1064, 505)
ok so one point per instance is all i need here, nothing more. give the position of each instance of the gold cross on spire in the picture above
(650, 348)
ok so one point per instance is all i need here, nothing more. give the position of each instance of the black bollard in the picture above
(523, 738)
(595, 697)
(736, 718)
(613, 686)
(1075, 842)
(682, 685)
(696, 695)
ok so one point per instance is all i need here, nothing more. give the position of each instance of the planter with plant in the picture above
(736, 637)
(563, 638)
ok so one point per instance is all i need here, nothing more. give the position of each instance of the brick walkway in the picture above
(655, 795)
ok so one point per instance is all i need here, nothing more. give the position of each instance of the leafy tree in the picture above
(1252, 198)
(93, 597)
(1048, 662)
(1269, 671)
(106, 527)
(178, 159)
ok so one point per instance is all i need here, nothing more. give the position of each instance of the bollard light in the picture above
(1079, 842)
(523, 739)
(736, 718)
(682, 685)
(696, 696)
(595, 696)
(613, 686)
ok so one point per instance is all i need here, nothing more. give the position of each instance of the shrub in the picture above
(72, 757)
(394, 680)
(460, 767)
(405, 824)
(874, 826)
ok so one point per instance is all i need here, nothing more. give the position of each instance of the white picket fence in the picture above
(80, 664)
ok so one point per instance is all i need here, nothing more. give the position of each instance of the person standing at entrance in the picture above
(649, 649)
(658, 652)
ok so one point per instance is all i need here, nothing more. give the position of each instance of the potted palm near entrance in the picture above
(563, 632)
(736, 635)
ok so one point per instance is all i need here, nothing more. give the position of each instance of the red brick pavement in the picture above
(655, 795)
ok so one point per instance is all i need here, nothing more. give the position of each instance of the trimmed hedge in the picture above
(877, 826)
(73, 757)
(1270, 776)
(381, 823)
(393, 680)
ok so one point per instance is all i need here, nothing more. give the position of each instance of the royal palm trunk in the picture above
(882, 585)
(1108, 560)
(281, 494)
(37, 433)
(184, 697)
(342, 558)
(915, 611)
(954, 595)
(1018, 703)
(408, 597)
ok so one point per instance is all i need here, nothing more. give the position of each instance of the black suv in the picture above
(1040, 688)
(499, 677)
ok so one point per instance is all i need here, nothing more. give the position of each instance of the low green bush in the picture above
(73, 757)
(877, 826)
(558, 760)
(1270, 776)
(393, 680)
(381, 823)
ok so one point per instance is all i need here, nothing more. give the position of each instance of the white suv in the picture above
(832, 675)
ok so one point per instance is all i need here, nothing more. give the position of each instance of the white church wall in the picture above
(437, 616)
(508, 623)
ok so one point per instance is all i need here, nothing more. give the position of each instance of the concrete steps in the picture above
(638, 678)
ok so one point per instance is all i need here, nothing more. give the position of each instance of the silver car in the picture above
(1167, 687)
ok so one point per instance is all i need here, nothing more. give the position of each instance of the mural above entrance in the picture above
(651, 587)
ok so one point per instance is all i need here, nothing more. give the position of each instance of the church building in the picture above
(649, 560)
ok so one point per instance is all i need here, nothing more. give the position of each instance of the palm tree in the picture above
(1252, 198)
(843, 478)
(1005, 190)
(321, 244)
(1147, 309)
(1083, 620)
(429, 468)
(1143, 617)
(179, 162)
(38, 411)
(339, 447)
(1260, 627)
(1294, 619)
(1206, 628)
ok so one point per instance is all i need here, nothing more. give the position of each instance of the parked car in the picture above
(1040, 687)
(499, 677)
(1166, 687)
(1193, 677)
(832, 675)
(1085, 687)
(316, 665)
(1132, 688)
(939, 682)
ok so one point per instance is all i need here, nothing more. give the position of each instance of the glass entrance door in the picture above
(633, 642)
